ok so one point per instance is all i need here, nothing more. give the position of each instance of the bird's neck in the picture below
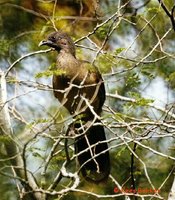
(67, 60)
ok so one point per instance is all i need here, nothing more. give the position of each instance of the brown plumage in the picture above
(80, 88)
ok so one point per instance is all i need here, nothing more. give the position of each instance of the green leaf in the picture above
(171, 79)
(119, 50)
(102, 31)
(154, 10)
(133, 80)
(119, 117)
(106, 62)
(38, 121)
(50, 72)
(4, 47)
(140, 100)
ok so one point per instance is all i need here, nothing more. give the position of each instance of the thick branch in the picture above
(169, 14)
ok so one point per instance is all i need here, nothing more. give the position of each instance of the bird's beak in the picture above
(49, 43)
(45, 42)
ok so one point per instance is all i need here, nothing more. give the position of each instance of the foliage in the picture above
(51, 71)
(132, 44)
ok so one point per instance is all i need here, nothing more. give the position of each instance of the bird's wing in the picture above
(94, 77)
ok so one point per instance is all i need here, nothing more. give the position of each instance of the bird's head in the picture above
(59, 41)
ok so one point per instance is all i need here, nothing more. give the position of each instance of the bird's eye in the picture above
(52, 38)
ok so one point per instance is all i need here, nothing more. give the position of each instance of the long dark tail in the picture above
(93, 153)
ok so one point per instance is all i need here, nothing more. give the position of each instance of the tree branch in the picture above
(11, 146)
(171, 195)
(169, 14)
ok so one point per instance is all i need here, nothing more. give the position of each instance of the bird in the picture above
(79, 87)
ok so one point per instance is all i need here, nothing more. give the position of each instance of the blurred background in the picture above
(132, 44)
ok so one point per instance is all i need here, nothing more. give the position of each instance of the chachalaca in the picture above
(79, 86)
